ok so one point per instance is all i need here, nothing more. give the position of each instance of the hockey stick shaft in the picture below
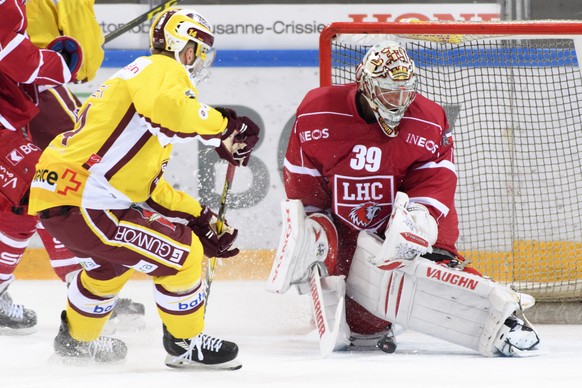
(219, 224)
(225, 190)
(140, 19)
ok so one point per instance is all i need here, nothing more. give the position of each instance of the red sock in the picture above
(62, 260)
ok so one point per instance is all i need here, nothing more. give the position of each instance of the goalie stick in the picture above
(140, 19)
(219, 224)
(328, 307)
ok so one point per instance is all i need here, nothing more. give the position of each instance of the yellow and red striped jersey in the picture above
(118, 151)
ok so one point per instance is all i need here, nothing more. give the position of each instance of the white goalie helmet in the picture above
(172, 29)
(387, 78)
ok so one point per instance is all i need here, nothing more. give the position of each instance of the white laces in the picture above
(101, 344)
(202, 341)
(10, 309)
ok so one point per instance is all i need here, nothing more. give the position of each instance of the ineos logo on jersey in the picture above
(314, 134)
(423, 142)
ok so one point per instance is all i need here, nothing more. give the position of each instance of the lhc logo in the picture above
(388, 17)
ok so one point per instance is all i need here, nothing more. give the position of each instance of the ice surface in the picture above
(278, 348)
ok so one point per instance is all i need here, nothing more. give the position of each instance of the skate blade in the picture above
(17, 332)
(361, 348)
(180, 363)
(528, 353)
(80, 361)
(124, 323)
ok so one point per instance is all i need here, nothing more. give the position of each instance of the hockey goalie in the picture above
(370, 227)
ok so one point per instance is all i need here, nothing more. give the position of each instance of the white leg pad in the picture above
(304, 241)
(421, 295)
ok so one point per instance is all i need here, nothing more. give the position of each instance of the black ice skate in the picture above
(384, 340)
(103, 349)
(200, 352)
(387, 343)
(14, 318)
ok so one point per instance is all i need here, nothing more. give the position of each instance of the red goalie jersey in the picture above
(338, 162)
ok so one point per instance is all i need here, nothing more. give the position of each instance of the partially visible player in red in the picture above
(56, 108)
(23, 68)
(371, 164)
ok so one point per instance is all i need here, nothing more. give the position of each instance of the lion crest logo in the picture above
(363, 215)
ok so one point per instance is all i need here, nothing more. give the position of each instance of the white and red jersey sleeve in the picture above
(22, 63)
(432, 179)
(19, 58)
(302, 175)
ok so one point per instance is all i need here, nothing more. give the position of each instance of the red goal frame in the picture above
(462, 28)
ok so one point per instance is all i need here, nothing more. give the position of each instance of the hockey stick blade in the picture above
(140, 19)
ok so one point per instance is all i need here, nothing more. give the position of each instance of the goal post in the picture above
(513, 96)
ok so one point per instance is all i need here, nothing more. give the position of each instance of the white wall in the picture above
(287, 26)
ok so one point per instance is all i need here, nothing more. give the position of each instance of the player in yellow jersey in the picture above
(100, 190)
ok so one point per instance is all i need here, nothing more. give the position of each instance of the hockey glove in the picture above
(239, 138)
(71, 52)
(245, 140)
(214, 244)
(411, 232)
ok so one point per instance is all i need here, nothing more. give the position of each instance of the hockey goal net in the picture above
(513, 95)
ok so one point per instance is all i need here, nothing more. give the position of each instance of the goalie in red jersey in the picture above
(370, 226)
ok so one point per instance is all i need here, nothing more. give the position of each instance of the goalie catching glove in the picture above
(239, 138)
(411, 232)
(215, 245)
(71, 52)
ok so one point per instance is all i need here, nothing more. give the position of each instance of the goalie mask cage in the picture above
(512, 92)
